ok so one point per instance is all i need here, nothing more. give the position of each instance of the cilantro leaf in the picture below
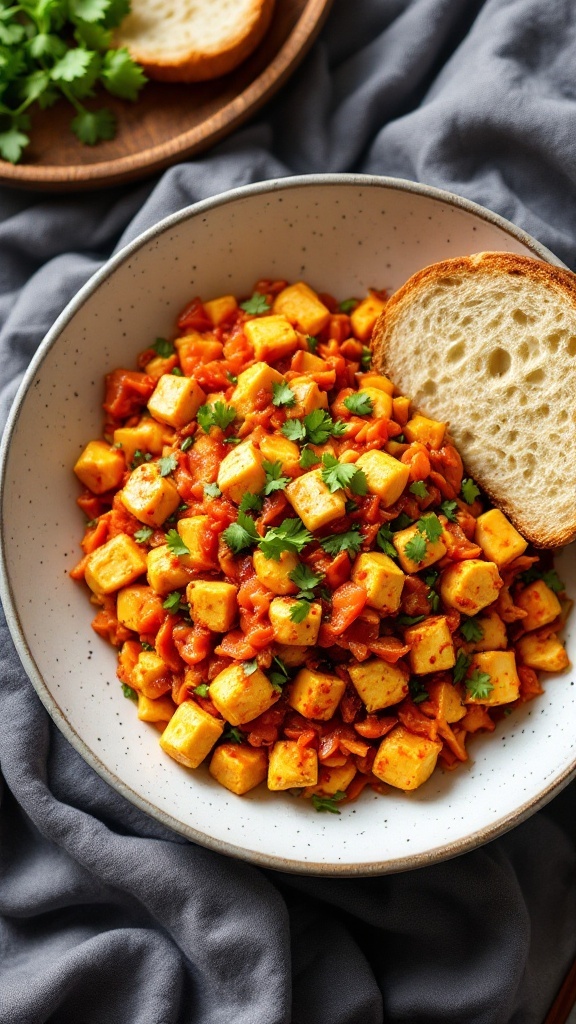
(471, 630)
(401, 522)
(202, 690)
(384, 541)
(469, 490)
(250, 667)
(365, 359)
(299, 611)
(312, 342)
(328, 803)
(121, 76)
(305, 579)
(553, 581)
(359, 403)
(74, 65)
(250, 502)
(416, 548)
(256, 304)
(291, 535)
(231, 377)
(449, 509)
(176, 371)
(479, 685)
(167, 465)
(336, 474)
(279, 674)
(143, 534)
(274, 479)
(212, 491)
(217, 415)
(409, 620)
(282, 394)
(348, 305)
(117, 11)
(241, 534)
(463, 662)
(176, 544)
(94, 126)
(418, 691)
(173, 601)
(88, 10)
(294, 430)
(128, 692)
(350, 541)
(163, 347)
(419, 489)
(319, 426)
(12, 143)
(308, 458)
(431, 526)
(233, 735)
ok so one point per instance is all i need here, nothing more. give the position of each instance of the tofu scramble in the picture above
(303, 587)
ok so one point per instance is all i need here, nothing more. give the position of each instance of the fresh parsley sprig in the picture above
(469, 490)
(283, 395)
(350, 541)
(430, 529)
(176, 544)
(315, 428)
(256, 304)
(242, 534)
(217, 415)
(291, 535)
(274, 479)
(359, 403)
(337, 475)
(306, 580)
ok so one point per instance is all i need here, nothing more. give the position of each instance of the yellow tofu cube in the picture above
(115, 564)
(149, 496)
(292, 766)
(239, 767)
(146, 436)
(381, 402)
(272, 337)
(427, 431)
(470, 585)
(275, 448)
(386, 476)
(494, 637)
(252, 382)
(295, 634)
(401, 410)
(404, 760)
(332, 780)
(316, 694)
(365, 316)
(274, 575)
(540, 603)
(100, 467)
(190, 734)
(148, 670)
(165, 570)
(446, 697)
(434, 550)
(241, 471)
(544, 653)
(382, 580)
(308, 397)
(501, 667)
(431, 646)
(309, 363)
(159, 709)
(221, 309)
(291, 656)
(312, 500)
(194, 531)
(175, 400)
(138, 605)
(379, 684)
(376, 380)
(241, 696)
(302, 307)
(213, 604)
(499, 540)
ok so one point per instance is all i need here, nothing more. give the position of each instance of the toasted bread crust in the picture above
(547, 533)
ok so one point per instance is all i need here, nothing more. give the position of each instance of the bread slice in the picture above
(193, 40)
(488, 344)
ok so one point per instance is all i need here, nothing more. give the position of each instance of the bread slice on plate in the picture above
(487, 343)
(193, 40)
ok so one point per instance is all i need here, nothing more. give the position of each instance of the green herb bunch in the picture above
(54, 49)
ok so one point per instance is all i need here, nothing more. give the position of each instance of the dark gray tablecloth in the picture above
(107, 918)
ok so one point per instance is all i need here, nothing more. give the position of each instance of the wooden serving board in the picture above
(168, 122)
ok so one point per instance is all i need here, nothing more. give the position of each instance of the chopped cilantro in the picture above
(212, 491)
(305, 579)
(202, 690)
(431, 526)
(384, 541)
(173, 602)
(449, 508)
(469, 491)
(348, 305)
(553, 581)
(409, 620)
(128, 692)
(471, 630)
(479, 685)
(434, 600)
(186, 444)
(419, 489)
(312, 342)
(274, 479)
(416, 548)
(315, 428)
(308, 458)
(418, 691)
(176, 544)
(463, 662)
(337, 475)
(366, 358)
(328, 803)
(294, 430)
(359, 403)
(350, 541)
(231, 440)
(251, 502)
(217, 415)
(250, 667)
(279, 674)
(139, 457)
(231, 377)
(143, 534)
(431, 577)
(299, 611)
(255, 304)
(176, 371)
(233, 735)
(401, 522)
(146, 646)
(241, 534)
(167, 465)
(282, 394)
(291, 535)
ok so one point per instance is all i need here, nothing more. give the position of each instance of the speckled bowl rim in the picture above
(379, 867)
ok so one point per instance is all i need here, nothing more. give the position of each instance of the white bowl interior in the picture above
(341, 236)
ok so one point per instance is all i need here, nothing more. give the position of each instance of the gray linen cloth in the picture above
(106, 916)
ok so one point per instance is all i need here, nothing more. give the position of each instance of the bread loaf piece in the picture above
(193, 40)
(488, 344)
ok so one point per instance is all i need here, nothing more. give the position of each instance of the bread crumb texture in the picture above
(488, 344)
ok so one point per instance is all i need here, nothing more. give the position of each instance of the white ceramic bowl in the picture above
(342, 234)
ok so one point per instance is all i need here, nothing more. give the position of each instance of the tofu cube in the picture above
(376, 380)
(501, 667)
(382, 580)
(272, 337)
(386, 476)
(175, 400)
(423, 429)
(239, 767)
(431, 646)
(275, 448)
(241, 471)
(149, 496)
(165, 570)
(240, 697)
(365, 316)
(446, 698)
(115, 564)
(221, 309)
(252, 382)
(404, 760)
(316, 694)
(332, 780)
(401, 410)
(308, 397)
(100, 467)
(159, 709)
(274, 575)
(139, 608)
(190, 734)
(213, 604)
(379, 684)
(146, 436)
(292, 766)
(540, 603)
(499, 540)
(302, 307)
(295, 634)
(381, 402)
(309, 363)
(312, 500)
(434, 551)
(195, 532)
(542, 652)
(470, 585)
(151, 675)
(494, 637)
(290, 655)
